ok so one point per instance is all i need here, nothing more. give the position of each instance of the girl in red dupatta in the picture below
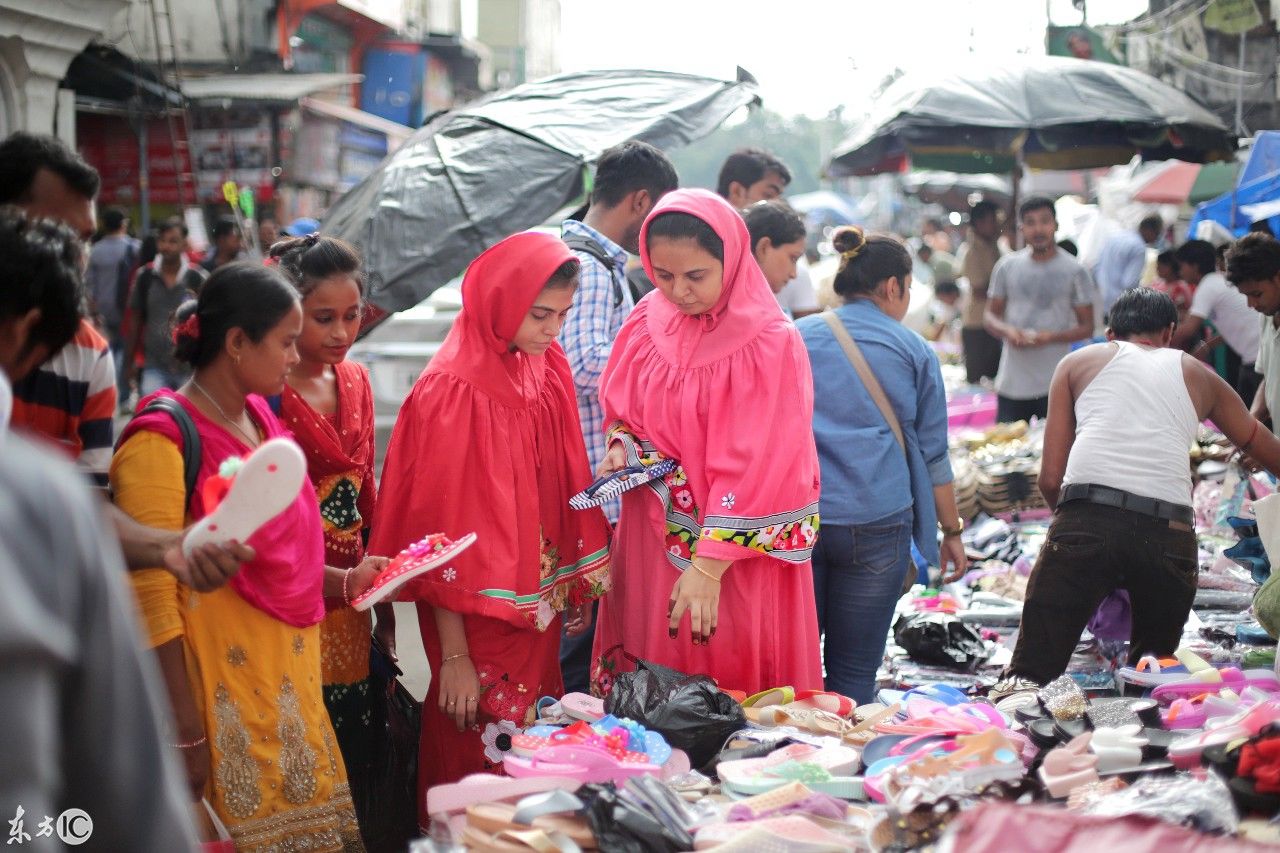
(489, 442)
(708, 371)
(328, 404)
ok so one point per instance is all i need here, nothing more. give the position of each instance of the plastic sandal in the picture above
(266, 483)
(1185, 752)
(825, 700)
(773, 696)
(489, 788)
(792, 833)
(416, 560)
(611, 485)
(552, 811)
(580, 706)
(1069, 766)
(514, 839)
(1215, 681)
(582, 763)
(1117, 748)
(807, 719)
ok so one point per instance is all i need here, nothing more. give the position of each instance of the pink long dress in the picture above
(729, 395)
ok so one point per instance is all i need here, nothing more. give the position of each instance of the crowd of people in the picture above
(563, 365)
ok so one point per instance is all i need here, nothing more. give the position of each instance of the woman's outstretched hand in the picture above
(698, 592)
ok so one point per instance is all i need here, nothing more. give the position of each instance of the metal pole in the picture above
(1240, 129)
(144, 179)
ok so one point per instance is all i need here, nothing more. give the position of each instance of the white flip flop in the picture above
(418, 559)
(266, 484)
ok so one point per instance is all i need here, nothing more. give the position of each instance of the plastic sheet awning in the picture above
(476, 174)
(1048, 112)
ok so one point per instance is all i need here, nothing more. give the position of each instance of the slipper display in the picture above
(261, 487)
(610, 486)
(552, 812)
(419, 558)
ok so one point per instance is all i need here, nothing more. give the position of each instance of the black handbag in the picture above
(390, 807)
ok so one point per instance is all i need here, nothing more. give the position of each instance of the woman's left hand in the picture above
(697, 591)
(577, 620)
(952, 554)
(363, 575)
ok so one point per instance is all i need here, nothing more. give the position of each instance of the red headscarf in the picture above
(488, 441)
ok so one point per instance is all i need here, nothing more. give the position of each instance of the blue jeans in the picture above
(858, 572)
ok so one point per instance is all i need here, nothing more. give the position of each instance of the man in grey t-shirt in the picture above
(1040, 302)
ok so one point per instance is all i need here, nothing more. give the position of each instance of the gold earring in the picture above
(237, 358)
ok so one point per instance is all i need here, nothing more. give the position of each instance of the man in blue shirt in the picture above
(1123, 258)
(629, 180)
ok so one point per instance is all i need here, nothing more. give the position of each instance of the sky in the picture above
(811, 55)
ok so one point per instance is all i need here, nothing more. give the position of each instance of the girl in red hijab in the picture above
(488, 441)
(712, 562)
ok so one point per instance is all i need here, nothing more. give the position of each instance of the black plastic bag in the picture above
(940, 638)
(689, 710)
(644, 816)
(389, 811)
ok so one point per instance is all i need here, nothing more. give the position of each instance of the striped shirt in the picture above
(588, 333)
(71, 399)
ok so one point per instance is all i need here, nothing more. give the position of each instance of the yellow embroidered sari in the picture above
(277, 778)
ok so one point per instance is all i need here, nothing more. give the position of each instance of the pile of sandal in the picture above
(813, 771)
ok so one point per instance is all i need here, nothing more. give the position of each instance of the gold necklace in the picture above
(253, 442)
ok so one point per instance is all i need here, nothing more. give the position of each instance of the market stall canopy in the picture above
(1052, 112)
(473, 175)
(1236, 211)
(953, 190)
(826, 207)
(1176, 182)
(281, 88)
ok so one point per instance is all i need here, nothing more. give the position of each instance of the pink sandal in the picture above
(582, 763)
(1069, 766)
(489, 788)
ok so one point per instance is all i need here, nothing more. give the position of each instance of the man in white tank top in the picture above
(1122, 416)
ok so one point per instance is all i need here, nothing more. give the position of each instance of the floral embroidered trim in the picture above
(566, 586)
(329, 825)
(297, 758)
(788, 536)
(235, 772)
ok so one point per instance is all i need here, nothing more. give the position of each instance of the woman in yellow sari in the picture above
(242, 663)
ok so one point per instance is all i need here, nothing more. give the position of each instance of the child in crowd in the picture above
(1168, 281)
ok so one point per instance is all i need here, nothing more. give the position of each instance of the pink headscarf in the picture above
(728, 394)
(746, 305)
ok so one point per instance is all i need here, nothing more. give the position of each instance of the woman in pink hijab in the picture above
(711, 562)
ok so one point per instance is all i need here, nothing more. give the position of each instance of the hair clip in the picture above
(189, 328)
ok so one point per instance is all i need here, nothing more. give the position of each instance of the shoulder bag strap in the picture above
(583, 243)
(190, 439)
(859, 362)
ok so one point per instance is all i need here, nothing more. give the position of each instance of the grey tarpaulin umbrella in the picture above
(953, 190)
(476, 174)
(1049, 112)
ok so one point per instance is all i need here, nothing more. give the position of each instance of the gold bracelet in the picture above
(455, 657)
(703, 571)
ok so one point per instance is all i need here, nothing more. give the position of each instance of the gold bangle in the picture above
(704, 572)
(455, 657)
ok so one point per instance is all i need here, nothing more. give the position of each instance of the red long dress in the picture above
(488, 441)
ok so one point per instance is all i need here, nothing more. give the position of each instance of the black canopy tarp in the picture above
(476, 174)
(1049, 112)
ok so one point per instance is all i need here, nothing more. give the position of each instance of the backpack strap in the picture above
(190, 439)
(583, 243)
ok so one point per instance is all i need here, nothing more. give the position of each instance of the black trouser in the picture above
(1010, 411)
(1091, 551)
(575, 657)
(1241, 376)
(981, 353)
